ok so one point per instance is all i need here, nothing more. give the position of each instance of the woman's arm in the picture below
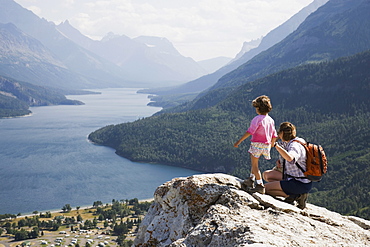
(288, 157)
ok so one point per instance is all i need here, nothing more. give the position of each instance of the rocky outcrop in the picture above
(212, 210)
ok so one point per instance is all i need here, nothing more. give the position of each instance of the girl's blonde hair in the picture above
(263, 104)
(288, 130)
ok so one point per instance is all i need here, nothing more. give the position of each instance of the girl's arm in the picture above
(245, 136)
(273, 140)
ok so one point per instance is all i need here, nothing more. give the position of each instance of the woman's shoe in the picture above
(291, 198)
(302, 199)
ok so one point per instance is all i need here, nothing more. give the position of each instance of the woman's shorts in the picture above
(294, 187)
(257, 149)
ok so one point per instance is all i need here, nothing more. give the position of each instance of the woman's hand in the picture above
(278, 164)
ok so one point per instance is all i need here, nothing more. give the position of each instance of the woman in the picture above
(289, 183)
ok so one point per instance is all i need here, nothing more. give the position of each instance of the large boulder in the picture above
(212, 210)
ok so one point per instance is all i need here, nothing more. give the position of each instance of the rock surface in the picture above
(212, 210)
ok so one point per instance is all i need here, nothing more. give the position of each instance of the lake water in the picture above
(46, 160)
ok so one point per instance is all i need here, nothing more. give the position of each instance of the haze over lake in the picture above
(46, 160)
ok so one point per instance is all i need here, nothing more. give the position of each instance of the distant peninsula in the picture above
(17, 97)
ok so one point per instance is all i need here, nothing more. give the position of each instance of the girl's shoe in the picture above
(260, 188)
(247, 184)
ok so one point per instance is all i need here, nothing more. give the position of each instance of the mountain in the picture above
(16, 97)
(247, 46)
(213, 64)
(273, 37)
(324, 100)
(163, 52)
(97, 71)
(282, 31)
(154, 55)
(330, 32)
(27, 59)
(325, 89)
(211, 210)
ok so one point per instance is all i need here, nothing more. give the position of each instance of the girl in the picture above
(262, 130)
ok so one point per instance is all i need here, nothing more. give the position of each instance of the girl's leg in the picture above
(274, 189)
(256, 172)
(255, 169)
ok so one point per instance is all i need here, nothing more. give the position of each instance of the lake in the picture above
(46, 160)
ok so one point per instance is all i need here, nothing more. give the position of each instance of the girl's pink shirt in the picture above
(262, 129)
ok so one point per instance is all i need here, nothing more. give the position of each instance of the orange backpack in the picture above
(316, 164)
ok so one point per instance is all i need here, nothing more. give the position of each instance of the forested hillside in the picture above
(328, 102)
(16, 97)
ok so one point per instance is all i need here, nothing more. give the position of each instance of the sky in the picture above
(200, 29)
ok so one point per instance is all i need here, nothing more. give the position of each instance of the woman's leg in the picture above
(274, 189)
(272, 175)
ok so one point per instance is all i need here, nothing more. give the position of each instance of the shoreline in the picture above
(54, 211)
(95, 100)
(27, 115)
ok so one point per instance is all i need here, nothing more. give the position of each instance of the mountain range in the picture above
(213, 64)
(249, 50)
(155, 56)
(73, 60)
(89, 69)
(58, 58)
(27, 59)
(314, 67)
(329, 33)
(317, 78)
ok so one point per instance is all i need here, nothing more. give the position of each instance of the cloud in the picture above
(198, 28)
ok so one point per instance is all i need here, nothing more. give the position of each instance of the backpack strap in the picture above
(296, 163)
(287, 175)
(300, 167)
(305, 145)
(302, 143)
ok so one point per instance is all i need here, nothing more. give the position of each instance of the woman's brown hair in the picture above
(288, 130)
